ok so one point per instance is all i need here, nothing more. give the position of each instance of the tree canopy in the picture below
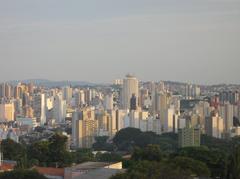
(21, 174)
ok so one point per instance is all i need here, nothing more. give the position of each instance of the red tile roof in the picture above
(50, 171)
(7, 167)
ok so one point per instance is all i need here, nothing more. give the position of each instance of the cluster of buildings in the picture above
(160, 107)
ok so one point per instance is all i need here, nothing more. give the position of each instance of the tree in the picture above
(145, 138)
(215, 159)
(125, 138)
(108, 157)
(128, 138)
(14, 151)
(101, 144)
(195, 167)
(150, 153)
(234, 166)
(21, 174)
(83, 155)
(39, 153)
(58, 154)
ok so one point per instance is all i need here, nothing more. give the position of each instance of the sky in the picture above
(195, 41)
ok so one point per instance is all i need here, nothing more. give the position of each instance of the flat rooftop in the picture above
(91, 165)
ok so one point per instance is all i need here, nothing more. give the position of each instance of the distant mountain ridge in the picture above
(51, 83)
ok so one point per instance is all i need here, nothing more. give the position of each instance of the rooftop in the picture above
(50, 171)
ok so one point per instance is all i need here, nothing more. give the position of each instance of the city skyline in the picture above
(191, 41)
(119, 89)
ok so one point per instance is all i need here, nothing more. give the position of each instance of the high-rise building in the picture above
(118, 82)
(28, 111)
(59, 108)
(226, 112)
(108, 101)
(134, 119)
(30, 88)
(79, 98)
(18, 107)
(8, 91)
(84, 128)
(2, 90)
(120, 115)
(17, 92)
(104, 123)
(67, 94)
(169, 120)
(229, 96)
(7, 112)
(133, 103)
(113, 123)
(130, 87)
(88, 94)
(215, 125)
(192, 91)
(162, 104)
(39, 107)
(144, 96)
(5, 90)
(189, 137)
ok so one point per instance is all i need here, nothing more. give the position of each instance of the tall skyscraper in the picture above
(108, 101)
(130, 87)
(162, 105)
(226, 112)
(5, 90)
(169, 120)
(8, 91)
(30, 88)
(67, 94)
(79, 98)
(39, 107)
(17, 92)
(59, 108)
(2, 90)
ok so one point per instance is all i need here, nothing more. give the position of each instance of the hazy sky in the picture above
(100, 40)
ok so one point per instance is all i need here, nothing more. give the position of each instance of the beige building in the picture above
(104, 123)
(84, 128)
(7, 112)
(215, 126)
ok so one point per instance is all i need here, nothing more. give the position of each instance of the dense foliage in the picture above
(21, 174)
(152, 156)
(108, 157)
(42, 153)
(129, 138)
(234, 164)
(51, 153)
(101, 144)
(149, 163)
(216, 157)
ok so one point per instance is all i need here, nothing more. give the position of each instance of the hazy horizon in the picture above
(96, 41)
